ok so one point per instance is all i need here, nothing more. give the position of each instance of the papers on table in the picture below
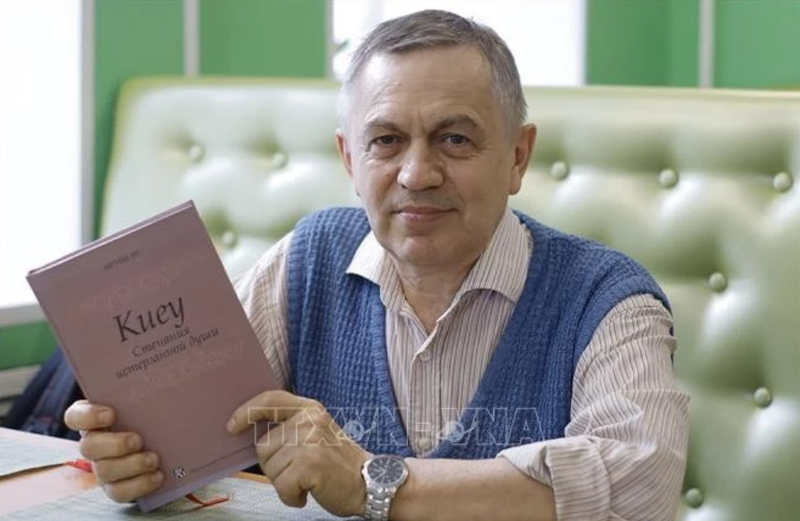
(248, 501)
(17, 455)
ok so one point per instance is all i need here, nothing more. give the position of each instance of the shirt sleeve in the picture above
(624, 451)
(263, 293)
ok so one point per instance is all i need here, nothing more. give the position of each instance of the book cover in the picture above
(151, 325)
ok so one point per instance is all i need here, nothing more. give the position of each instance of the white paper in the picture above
(17, 455)
(249, 501)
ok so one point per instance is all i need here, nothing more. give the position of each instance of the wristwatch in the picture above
(383, 475)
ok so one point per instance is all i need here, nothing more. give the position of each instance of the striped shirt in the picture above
(628, 431)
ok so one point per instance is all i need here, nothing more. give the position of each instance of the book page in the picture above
(17, 456)
(248, 501)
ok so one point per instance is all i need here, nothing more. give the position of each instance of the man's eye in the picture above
(385, 140)
(456, 139)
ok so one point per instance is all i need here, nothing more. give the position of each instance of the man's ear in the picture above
(344, 151)
(523, 150)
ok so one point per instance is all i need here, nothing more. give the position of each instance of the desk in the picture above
(35, 487)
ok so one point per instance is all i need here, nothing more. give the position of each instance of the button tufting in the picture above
(559, 170)
(668, 178)
(196, 153)
(693, 497)
(279, 160)
(229, 238)
(782, 182)
(717, 282)
(762, 397)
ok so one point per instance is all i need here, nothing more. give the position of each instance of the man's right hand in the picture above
(124, 470)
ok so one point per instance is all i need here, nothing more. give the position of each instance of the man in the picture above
(519, 372)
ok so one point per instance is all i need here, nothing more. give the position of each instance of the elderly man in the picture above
(443, 356)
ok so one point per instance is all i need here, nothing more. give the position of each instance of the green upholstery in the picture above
(697, 185)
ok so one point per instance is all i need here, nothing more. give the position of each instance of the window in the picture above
(547, 37)
(40, 143)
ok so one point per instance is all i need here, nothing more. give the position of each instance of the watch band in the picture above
(378, 503)
(391, 473)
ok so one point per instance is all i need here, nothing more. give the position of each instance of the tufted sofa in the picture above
(700, 186)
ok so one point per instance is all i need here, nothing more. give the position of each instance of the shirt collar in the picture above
(502, 267)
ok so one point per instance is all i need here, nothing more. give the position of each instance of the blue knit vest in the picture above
(337, 339)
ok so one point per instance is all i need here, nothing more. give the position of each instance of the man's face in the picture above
(429, 154)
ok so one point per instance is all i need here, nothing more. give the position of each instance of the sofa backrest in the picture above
(699, 186)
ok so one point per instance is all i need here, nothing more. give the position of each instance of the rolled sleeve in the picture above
(624, 451)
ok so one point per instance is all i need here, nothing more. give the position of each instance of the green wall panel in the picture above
(27, 344)
(132, 37)
(655, 42)
(627, 42)
(263, 37)
(757, 44)
(682, 44)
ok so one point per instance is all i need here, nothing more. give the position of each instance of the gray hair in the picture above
(432, 29)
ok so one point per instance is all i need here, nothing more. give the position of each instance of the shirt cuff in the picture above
(575, 471)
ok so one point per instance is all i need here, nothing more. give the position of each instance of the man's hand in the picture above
(305, 451)
(124, 471)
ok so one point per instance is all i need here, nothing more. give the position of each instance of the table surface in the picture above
(34, 487)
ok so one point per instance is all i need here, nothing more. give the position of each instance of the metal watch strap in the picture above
(378, 503)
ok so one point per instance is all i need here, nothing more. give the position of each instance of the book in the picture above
(151, 325)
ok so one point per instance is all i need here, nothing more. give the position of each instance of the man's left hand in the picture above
(305, 451)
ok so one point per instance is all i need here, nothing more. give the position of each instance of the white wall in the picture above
(547, 37)
(41, 189)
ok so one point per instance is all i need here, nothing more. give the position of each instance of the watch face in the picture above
(387, 470)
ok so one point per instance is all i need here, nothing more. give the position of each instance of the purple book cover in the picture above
(152, 326)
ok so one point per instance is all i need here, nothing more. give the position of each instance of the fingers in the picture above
(97, 445)
(278, 436)
(287, 485)
(274, 406)
(85, 416)
(309, 453)
(308, 428)
(127, 490)
(276, 463)
(273, 465)
(125, 472)
(131, 466)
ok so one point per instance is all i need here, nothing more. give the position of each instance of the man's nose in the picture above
(421, 169)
